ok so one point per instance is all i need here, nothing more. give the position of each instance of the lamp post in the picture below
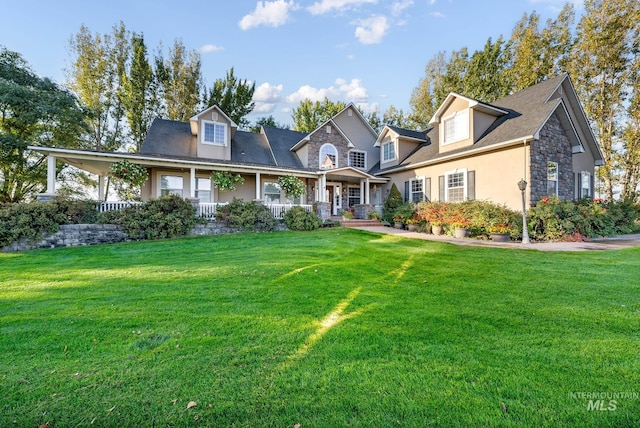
(522, 185)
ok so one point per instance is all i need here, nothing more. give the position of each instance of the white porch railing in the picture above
(208, 209)
(279, 210)
(205, 209)
(115, 205)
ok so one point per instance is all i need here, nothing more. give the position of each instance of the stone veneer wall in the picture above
(553, 146)
(321, 137)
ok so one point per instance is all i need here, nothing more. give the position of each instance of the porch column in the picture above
(101, 196)
(51, 175)
(362, 190)
(258, 187)
(192, 183)
(367, 199)
(323, 188)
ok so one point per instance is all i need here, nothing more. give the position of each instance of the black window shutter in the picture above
(427, 189)
(578, 182)
(406, 191)
(441, 188)
(471, 185)
(593, 185)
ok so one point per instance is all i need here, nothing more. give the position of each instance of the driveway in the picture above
(613, 243)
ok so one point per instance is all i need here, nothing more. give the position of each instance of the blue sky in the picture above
(370, 52)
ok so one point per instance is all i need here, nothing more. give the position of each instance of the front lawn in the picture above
(322, 329)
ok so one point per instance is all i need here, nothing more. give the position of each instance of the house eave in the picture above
(515, 142)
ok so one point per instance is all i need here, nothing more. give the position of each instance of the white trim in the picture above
(356, 151)
(454, 116)
(473, 104)
(214, 123)
(395, 152)
(465, 187)
(464, 154)
(321, 158)
(421, 178)
(557, 179)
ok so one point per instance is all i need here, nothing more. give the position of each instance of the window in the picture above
(354, 195)
(214, 133)
(271, 192)
(456, 127)
(388, 151)
(328, 157)
(552, 178)
(171, 185)
(203, 189)
(456, 188)
(357, 159)
(416, 187)
(585, 185)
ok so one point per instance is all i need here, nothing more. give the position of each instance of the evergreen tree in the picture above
(234, 97)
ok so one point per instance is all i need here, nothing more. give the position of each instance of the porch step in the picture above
(359, 223)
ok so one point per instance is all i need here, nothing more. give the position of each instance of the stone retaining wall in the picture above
(73, 235)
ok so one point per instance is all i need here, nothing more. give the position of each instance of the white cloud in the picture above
(325, 6)
(369, 108)
(270, 13)
(371, 30)
(267, 92)
(438, 15)
(398, 6)
(267, 96)
(351, 57)
(352, 91)
(211, 48)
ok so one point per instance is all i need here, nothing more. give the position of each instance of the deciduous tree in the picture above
(33, 111)
(234, 96)
(309, 115)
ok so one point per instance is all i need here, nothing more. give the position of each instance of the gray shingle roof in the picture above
(250, 148)
(281, 141)
(528, 110)
(418, 135)
(169, 138)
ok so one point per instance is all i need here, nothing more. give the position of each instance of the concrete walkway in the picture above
(614, 243)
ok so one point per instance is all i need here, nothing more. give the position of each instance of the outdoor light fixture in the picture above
(522, 185)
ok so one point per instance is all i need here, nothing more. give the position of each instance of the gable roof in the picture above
(527, 111)
(418, 136)
(170, 138)
(473, 104)
(281, 141)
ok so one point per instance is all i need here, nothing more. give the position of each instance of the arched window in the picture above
(328, 156)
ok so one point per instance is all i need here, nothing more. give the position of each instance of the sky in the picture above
(369, 52)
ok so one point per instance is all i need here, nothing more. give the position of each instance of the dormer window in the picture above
(388, 151)
(328, 157)
(456, 127)
(214, 133)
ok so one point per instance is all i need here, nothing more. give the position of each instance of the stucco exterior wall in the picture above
(496, 175)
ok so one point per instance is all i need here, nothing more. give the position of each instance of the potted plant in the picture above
(413, 224)
(347, 215)
(398, 221)
(500, 232)
(436, 227)
(461, 229)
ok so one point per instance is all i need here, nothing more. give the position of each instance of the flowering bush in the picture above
(500, 228)
(292, 186)
(224, 180)
(129, 177)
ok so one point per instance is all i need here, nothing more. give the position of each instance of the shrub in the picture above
(394, 200)
(297, 218)
(166, 217)
(247, 216)
(30, 220)
(404, 212)
(552, 219)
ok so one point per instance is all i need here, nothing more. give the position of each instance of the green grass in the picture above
(322, 329)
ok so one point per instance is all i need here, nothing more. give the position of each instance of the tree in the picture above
(395, 117)
(266, 121)
(484, 79)
(309, 115)
(600, 64)
(234, 97)
(96, 77)
(33, 111)
(424, 100)
(179, 82)
(139, 99)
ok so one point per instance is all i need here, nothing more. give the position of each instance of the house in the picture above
(472, 150)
